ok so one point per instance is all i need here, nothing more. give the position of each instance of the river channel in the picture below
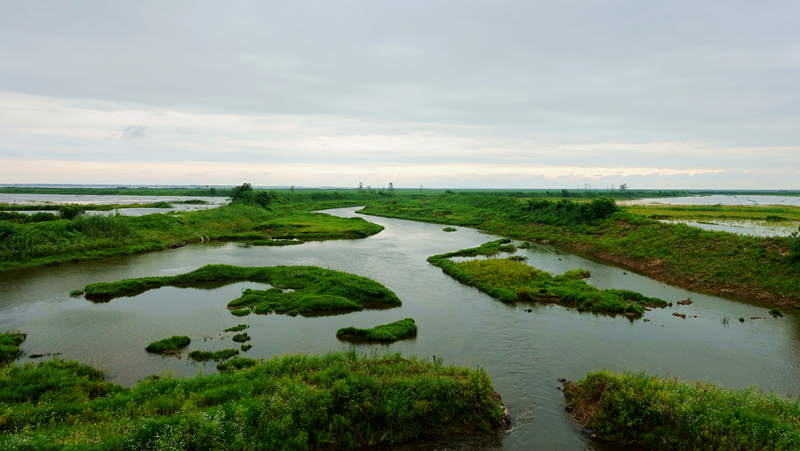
(524, 353)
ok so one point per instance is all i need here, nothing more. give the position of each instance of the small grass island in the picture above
(397, 330)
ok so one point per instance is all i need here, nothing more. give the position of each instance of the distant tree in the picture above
(241, 193)
(212, 191)
(623, 187)
(564, 193)
(391, 187)
(291, 190)
(70, 211)
(360, 186)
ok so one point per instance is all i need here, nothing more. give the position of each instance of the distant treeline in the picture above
(580, 194)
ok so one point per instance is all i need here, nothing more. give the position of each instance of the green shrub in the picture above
(246, 347)
(75, 293)
(170, 345)
(241, 311)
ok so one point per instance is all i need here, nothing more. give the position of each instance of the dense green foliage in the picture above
(334, 401)
(511, 280)
(236, 364)
(757, 268)
(171, 345)
(794, 247)
(386, 332)
(241, 338)
(668, 415)
(9, 346)
(205, 356)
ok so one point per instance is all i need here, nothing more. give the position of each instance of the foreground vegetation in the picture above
(511, 280)
(766, 269)
(300, 402)
(667, 415)
(314, 289)
(397, 330)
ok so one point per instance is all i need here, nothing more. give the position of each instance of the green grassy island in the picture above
(315, 289)
(511, 280)
(300, 402)
(664, 414)
(397, 330)
(170, 345)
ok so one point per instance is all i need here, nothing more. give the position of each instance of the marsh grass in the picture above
(236, 364)
(294, 402)
(241, 338)
(170, 345)
(767, 269)
(397, 330)
(9, 346)
(238, 328)
(664, 414)
(241, 312)
(511, 280)
(55, 241)
(205, 356)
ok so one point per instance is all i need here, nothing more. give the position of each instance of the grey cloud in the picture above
(134, 131)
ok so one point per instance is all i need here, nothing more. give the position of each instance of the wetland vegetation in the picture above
(170, 345)
(511, 281)
(397, 330)
(664, 414)
(299, 402)
(761, 269)
(314, 289)
(9, 346)
(40, 240)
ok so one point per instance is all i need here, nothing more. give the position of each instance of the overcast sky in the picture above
(461, 94)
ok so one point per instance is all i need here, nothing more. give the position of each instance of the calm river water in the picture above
(524, 353)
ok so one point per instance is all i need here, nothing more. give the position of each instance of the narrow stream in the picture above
(524, 353)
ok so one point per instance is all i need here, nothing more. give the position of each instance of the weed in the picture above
(238, 328)
(9, 346)
(204, 356)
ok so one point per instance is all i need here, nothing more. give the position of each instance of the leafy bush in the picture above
(241, 338)
(236, 364)
(70, 212)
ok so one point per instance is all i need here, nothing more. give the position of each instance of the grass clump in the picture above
(238, 328)
(241, 311)
(315, 289)
(205, 356)
(246, 347)
(241, 338)
(449, 229)
(9, 346)
(171, 345)
(297, 402)
(76, 293)
(512, 281)
(667, 415)
(386, 332)
(236, 364)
